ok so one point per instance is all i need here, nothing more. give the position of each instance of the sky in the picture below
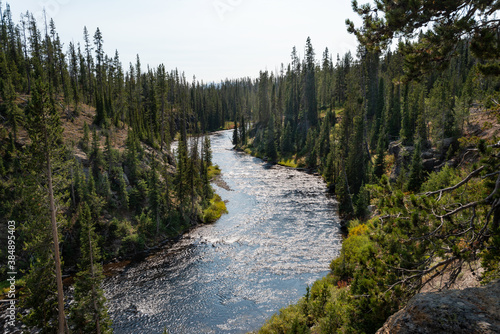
(211, 39)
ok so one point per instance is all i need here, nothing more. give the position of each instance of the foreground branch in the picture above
(458, 185)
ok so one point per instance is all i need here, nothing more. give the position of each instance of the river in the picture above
(279, 236)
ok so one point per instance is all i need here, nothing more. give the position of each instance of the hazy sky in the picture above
(212, 39)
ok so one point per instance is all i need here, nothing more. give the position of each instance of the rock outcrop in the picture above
(471, 311)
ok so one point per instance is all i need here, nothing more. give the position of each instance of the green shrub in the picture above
(289, 320)
(355, 249)
(132, 244)
(121, 228)
(215, 210)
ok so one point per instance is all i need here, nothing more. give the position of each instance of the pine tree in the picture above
(264, 104)
(80, 184)
(73, 71)
(243, 132)
(379, 166)
(235, 134)
(89, 65)
(362, 200)
(324, 137)
(109, 152)
(45, 131)
(416, 176)
(89, 313)
(9, 95)
(448, 22)
(100, 112)
(181, 174)
(96, 157)
(207, 152)
(104, 187)
(287, 140)
(122, 191)
(132, 154)
(310, 99)
(205, 163)
(310, 148)
(193, 174)
(40, 279)
(271, 152)
(155, 195)
(356, 163)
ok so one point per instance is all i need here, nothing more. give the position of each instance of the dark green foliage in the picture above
(451, 21)
(271, 151)
(132, 155)
(362, 201)
(96, 156)
(41, 294)
(206, 162)
(182, 176)
(310, 149)
(45, 131)
(357, 163)
(310, 100)
(287, 140)
(109, 152)
(122, 191)
(207, 151)
(43, 122)
(236, 135)
(88, 313)
(243, 132)
(41, 287)
(416, 176)
(379, 165)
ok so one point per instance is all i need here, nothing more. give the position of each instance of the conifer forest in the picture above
(102, 161)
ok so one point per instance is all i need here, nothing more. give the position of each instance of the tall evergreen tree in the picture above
(310, 99)
(379, 165)
(416, 176)
(243, 132)
(235, 135)
(271, 151)
(44, 129)
(88, 313)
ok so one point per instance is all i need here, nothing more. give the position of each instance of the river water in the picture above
(279, 236)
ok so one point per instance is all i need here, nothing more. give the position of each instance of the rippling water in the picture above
(280, 235)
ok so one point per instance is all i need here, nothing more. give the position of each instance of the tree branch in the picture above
(458, 185)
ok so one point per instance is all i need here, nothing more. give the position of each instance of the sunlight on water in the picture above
(279, 236)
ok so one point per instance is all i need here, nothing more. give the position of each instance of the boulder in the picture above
(428, 164)
(452, 163)
(471, 311)
(446, 143)
(427, 155)
(395, 148)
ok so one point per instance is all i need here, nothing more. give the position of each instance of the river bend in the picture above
(280, 235)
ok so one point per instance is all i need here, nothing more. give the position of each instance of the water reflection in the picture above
(279, 236)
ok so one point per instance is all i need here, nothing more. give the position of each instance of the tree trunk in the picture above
(60, 293)
(97, 323)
